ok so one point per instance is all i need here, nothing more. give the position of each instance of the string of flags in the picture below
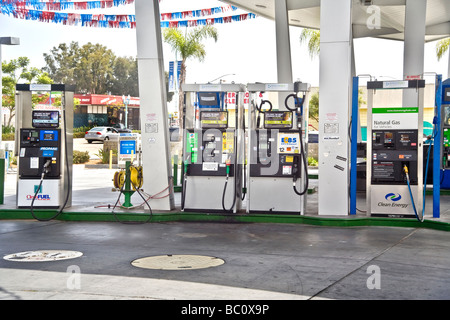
(58, 5)
(20, 9)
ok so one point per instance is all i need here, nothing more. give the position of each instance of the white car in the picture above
(101, 134)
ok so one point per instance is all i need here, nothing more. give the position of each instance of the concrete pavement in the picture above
(266, 261)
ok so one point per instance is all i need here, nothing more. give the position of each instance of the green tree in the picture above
(442, 47)
(19, 70)
(93, 68)
(94, 71)
(314, 107)
(312, 38)
(125, 77)
(89, 67)
(61, 62)
(189, 45)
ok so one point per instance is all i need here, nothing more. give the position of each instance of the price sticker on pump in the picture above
(288, 143)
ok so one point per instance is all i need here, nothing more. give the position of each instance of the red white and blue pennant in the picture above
(34, 10)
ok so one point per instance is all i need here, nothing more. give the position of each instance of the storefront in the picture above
(106, 110)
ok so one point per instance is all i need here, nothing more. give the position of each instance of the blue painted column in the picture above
(437, 150)
(354, 144)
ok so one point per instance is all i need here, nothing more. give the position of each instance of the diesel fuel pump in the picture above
(277, 175)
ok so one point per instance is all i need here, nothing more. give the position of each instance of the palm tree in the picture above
(442, 47)
(312, 37)
(188, 45)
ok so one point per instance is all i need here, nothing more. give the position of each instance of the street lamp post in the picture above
(222, 76)
(126, 101)
(9, 41)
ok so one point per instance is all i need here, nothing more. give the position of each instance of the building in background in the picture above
(105, 110)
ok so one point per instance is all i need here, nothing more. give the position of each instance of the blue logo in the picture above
(393, 196)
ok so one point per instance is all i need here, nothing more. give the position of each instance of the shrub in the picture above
(79, 132)
(8, 129)
(8, 136)
(312, 162)
(104, 155)
(78, 135)
(80, 156)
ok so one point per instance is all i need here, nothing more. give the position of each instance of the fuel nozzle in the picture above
(47, 165)
(46, 168)
(405, 170)
(228, 163)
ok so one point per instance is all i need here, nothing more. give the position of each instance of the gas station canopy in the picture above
(306, 14)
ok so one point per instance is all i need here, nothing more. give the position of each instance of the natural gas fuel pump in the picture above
(395, 183)
(212, 148)
(44, 166)
(278, 173)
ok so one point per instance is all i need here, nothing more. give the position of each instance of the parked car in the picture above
(121, 128)
(101, 134)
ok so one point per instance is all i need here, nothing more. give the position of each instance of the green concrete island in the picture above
(244, 218)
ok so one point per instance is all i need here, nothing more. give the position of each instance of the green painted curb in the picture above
(231, 218)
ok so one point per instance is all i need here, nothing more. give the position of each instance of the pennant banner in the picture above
(58, 5)
(197, 13)
(208, 21)
(61, 5)
(110, 21)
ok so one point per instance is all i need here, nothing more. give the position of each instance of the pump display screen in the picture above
(214, 119)
(277, 120)
(45, 119)
(48, 135)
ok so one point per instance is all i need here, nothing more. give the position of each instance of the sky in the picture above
(245, 49)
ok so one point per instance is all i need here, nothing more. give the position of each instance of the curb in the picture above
(228, 218)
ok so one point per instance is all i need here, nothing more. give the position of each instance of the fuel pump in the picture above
(445, 129)
(211, 139)
(395, 153)
(44, 151)
(278, 177)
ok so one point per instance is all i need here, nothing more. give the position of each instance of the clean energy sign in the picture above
(395, 118)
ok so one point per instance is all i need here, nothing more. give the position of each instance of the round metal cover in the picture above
(177, 262)
(43, 255)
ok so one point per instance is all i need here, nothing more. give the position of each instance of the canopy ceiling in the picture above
(306, 14)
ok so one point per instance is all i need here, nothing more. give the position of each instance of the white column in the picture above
(414, 45)
(284, 61)
(335, 102)
(153, 105)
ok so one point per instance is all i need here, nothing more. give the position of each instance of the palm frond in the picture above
(442, 47)
(312, 37)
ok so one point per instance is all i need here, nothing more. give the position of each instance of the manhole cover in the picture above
(178, 262)
(43, 255)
